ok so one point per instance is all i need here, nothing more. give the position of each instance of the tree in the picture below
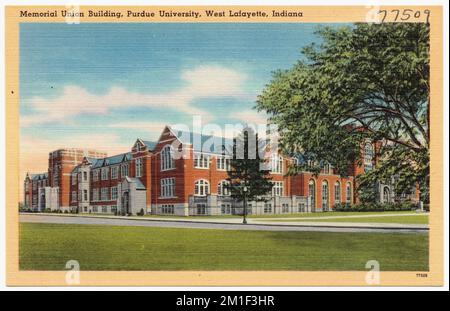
(363, 83)
(248, 177)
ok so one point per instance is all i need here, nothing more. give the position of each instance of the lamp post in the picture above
(244, 190)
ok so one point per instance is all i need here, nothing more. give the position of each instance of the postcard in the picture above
(224, 146)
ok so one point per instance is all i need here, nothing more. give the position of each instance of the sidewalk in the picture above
(251, 221)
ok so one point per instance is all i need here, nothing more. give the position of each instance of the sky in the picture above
(104, 85)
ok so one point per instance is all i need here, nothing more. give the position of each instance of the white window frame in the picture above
(201, 187)
(276, 164)
(114, 193)
(348, 192)
(105, 173)
(325, 195)
(202, 160)
(368, 156)
(223, 163)
(95, 175)
(168, 187)
(139, 165)
(337, 192)
(124, 170)
(167, 160)
(278, 188)
(115, 172)
(222, 189)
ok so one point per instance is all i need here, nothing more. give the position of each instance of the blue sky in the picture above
(104, 85)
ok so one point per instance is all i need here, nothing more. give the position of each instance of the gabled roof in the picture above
(137, 181)
(203, 142)
(112, 160)
(150, 144)
(39, 176)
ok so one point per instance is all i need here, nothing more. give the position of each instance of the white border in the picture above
(222, 2)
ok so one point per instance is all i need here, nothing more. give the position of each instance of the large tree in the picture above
(364, 82)
(249, 176)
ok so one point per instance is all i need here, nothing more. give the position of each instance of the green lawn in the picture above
(296, 215)
(327, 214)
(416, 219)
(50, 246)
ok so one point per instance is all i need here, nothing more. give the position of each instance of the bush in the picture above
(141, 212)
(374, 207)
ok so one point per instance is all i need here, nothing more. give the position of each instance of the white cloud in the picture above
(201, 82)
(251, 116)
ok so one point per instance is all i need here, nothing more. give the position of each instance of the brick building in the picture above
(182, 173)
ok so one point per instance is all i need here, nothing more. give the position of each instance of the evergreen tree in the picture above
(249, 177)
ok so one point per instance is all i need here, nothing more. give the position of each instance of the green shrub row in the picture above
(375, 207)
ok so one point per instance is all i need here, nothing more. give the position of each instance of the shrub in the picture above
(141, 212)
(374, 207)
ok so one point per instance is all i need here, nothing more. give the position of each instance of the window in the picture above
(276, 164)
(312, 194)
(168, 187)
(223, 163)
(74, 179)
(95, 175)
(114, 209)
(201, 160)
(201, 209)
(349, 192)
(105, 173)
(201, 187)
(225, 208)
(124, 170)
(95, 209)
(74, 196)
(104, 209)
(85, 195)
(368, 157)
(326, 168)
(337, 192)
(325, 196)
(285, 208)
(267, 208)
(277, 189)
(222, 188)
(85, 176)
(95, 194)
(79, 196)
(139, 166)
(301, 207)
(114, 172)
(105, 194)
(167, 161)
(167, 209)
(114, 194)
(55, 175)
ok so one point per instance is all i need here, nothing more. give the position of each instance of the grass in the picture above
(50, 246)
(327, 214)
(416, 219)
(296, 215)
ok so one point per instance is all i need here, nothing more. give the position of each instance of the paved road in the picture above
(145, 222)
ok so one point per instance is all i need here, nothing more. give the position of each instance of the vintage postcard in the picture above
(224, 146)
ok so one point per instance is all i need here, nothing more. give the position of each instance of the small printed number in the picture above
(422, 275)
(404, 15)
